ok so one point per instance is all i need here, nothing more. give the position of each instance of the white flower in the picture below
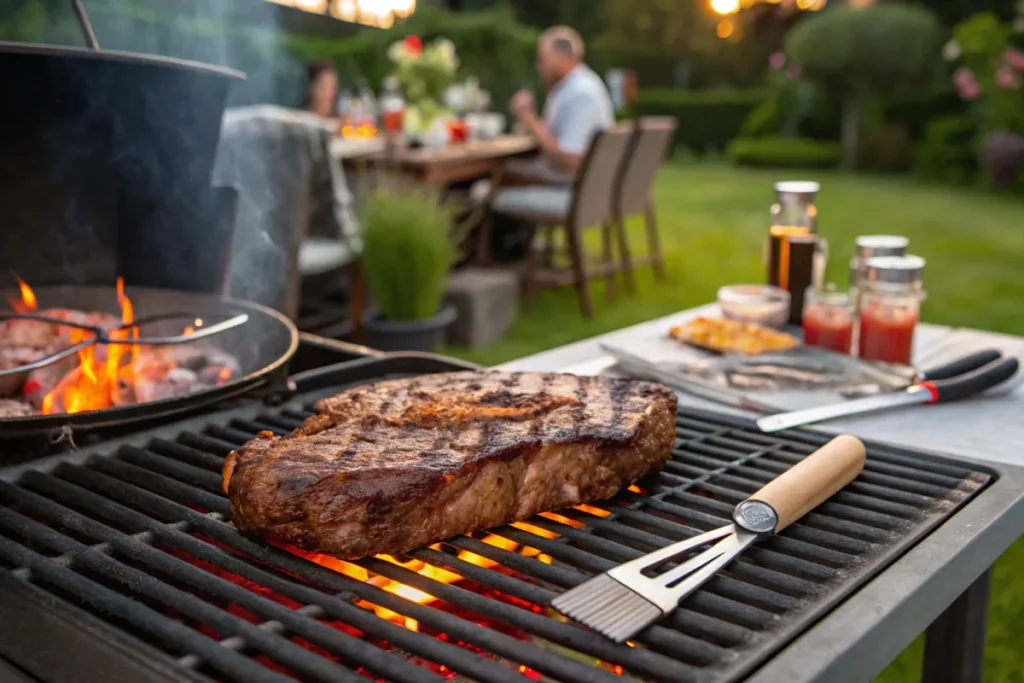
(397, 52)
(456, 97)
(951, 51)
(444, 50)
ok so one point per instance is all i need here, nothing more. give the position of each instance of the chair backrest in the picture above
(595, 186)
(636, 178)
(272, 156)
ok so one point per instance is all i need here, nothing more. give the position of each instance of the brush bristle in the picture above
(608, 607)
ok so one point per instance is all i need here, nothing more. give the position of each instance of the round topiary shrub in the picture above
(867, 52)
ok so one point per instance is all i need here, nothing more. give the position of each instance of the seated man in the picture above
(578, 105)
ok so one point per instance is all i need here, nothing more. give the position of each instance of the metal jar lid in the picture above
(797, 187)
(899, 270)
(869, 246)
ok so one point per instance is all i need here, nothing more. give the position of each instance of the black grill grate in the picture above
(136, 546)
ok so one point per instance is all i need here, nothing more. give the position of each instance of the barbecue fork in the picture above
(623, 600)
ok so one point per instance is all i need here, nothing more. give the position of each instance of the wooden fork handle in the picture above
(813, 480)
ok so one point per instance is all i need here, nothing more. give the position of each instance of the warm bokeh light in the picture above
(379, 13)
(725, 28)
(725, 6)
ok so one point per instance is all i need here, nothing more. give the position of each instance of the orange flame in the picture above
(94, 383)
(438, 574)
(28, 297)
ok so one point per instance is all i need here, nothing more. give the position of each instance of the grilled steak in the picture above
(393, 466)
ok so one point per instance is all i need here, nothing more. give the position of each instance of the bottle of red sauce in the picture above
(828, 319)
(891, 293)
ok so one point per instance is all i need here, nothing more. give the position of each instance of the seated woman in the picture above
(321, 89)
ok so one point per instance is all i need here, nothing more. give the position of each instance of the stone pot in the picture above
(406, 335)
(1002, 158)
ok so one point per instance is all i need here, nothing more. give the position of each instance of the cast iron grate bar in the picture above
(140, 538)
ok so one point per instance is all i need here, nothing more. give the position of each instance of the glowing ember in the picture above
(436, 573)
(103, 375)
(417, 596)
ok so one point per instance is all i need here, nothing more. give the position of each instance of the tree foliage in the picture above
(674, 28)
(863, 54)
(874, 50)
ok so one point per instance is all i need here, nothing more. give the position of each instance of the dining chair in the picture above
(587, 203)
(648, 149)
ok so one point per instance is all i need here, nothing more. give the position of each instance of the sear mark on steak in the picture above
(393, 466)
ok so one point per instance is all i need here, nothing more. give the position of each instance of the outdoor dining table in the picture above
(941, 585)
(454, 163)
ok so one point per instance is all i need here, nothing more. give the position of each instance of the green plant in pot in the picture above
(408, 251)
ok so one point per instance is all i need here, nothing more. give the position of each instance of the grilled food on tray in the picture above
(722, 335)
(389, 467)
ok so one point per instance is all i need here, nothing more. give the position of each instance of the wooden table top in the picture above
(456, 162)
(504, 146)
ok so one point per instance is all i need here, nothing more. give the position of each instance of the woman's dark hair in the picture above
(314, 69)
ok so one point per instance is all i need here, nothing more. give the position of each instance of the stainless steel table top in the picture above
(861, 636)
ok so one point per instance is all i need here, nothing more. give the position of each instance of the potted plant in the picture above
(408, 251)
(990, 55)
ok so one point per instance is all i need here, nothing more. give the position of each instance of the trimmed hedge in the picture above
(886, 148)
(708, 119)
(914, 113)
(949, 151)
(784, 153)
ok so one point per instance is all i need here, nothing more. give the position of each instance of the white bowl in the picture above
(763, 304)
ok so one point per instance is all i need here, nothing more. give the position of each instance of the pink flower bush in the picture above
(777, 61)
(1007, 78)
(966, 83)
(1014, 59)
(969, 91)
(963, 76)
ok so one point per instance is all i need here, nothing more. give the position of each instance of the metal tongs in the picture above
(642, 367)
(954, 381)
(102, 335)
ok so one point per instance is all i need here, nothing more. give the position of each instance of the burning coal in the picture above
(98, 376)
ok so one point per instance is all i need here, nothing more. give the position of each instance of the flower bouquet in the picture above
(424, 73)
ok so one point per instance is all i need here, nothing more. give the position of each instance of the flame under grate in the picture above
(139, 539)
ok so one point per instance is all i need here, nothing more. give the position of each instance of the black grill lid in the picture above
(133, 548)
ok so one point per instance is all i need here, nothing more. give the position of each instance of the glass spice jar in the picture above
(828, 319)
(794, 253)
(891, 293)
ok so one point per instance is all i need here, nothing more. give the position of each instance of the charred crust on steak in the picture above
(391, 466)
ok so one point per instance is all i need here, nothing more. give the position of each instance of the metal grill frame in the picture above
(115, 644)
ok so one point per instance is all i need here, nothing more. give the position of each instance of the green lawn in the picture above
(713, 219)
